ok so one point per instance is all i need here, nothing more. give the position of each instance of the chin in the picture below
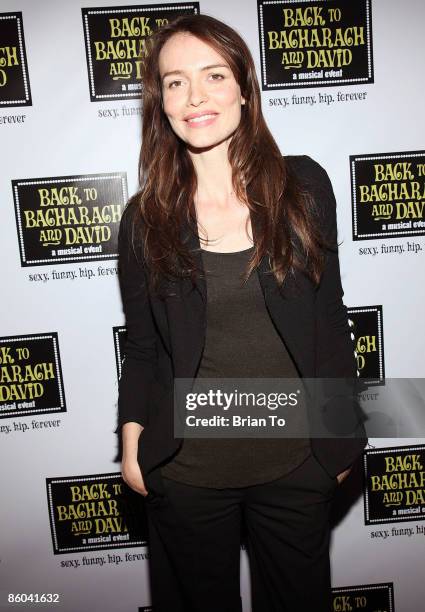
(205, 143)
(202, 143)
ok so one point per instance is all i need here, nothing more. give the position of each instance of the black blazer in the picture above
(165, 337)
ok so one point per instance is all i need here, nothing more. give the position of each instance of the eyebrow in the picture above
(210, 67)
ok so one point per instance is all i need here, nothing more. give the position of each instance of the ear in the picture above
(243, 101)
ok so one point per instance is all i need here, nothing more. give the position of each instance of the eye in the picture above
(172, 84)
(217, 77)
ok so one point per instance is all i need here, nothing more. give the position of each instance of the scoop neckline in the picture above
(227, 252)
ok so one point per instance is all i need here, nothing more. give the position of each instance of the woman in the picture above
(229, 268)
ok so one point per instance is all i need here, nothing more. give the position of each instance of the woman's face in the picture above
(201, 97)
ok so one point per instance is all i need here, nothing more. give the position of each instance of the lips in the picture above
(198, 117)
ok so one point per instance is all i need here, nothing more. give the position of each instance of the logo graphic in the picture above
(94, 512)
(30, 375)
(120, 334)
(364, 597)
(394, 484)
(306, 44)
(115, 40)
(369, 334)
(14, 80)
(388, 194)
(69, 218)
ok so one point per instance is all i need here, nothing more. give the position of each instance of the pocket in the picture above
(154, 486)
(148, 496)
(151, 499)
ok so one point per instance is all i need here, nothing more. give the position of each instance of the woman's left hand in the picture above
(343, 475)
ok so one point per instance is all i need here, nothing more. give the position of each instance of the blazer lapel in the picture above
(186, 314)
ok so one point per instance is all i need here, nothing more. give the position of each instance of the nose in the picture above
(197, 93)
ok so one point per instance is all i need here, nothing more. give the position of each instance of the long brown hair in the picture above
(281, 208)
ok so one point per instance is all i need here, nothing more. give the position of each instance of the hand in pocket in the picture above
(132, 475)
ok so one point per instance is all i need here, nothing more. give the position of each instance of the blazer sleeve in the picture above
(140, 349)
(336, 343)
(336, 356)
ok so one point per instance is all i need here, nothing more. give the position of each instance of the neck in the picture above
(213, 172)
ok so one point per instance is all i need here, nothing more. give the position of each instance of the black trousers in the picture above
(195, 536)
